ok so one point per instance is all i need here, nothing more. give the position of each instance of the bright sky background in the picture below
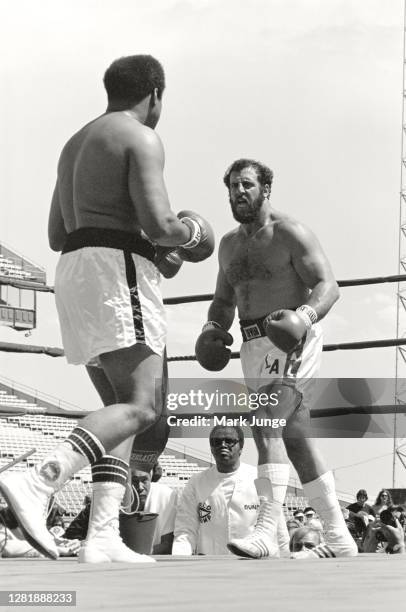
(311, 87)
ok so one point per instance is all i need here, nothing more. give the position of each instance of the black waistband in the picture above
(254, 328)
(112, 238)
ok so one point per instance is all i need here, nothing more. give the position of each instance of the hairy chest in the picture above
(255, 259)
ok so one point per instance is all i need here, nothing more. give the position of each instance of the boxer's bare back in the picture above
(94, 173)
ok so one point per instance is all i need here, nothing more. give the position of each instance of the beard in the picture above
(249, 214)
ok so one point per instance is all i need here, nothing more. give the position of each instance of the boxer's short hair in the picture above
(132, 78)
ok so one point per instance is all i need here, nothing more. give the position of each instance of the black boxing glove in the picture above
(285, 329)
(168, 261)
(210, 349)
(201, 243)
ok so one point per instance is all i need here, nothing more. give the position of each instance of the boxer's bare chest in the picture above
(260, 270)
(261, 256)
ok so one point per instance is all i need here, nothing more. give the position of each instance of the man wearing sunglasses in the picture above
(220, 503)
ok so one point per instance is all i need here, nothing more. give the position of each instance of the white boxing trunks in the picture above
(262, 362)
(107, 295)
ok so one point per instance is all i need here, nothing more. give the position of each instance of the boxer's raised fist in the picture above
(201, 243)
(285, 329)
(210, 349)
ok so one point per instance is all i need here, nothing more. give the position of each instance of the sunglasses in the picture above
(218, 442)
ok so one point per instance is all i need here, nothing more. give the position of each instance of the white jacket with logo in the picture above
(204, 523)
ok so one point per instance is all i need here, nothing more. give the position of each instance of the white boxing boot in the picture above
(278, 474)
(15, 545)
(262, 542)
(27, 494)
(103, 543)
(283, 535)
(338, 540)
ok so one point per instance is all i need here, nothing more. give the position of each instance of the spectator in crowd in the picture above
(221, 502)
(361, 509)
(360, 516)
(298, 515)
(399, 512)
(355, 525)
(311, 519)
(382, 502)
(294, 522)
(305, 538)
(385, 533)
(361, 504)
(309, 513)
(299, 520)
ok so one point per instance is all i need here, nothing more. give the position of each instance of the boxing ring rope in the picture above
(18, 459)
(11, 347)
(58, 352)
(357, 282)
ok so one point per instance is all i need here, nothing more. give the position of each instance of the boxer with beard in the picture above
(273, 270)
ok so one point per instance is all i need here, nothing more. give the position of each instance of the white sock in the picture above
(105, 507)
(59, 465)
(278, 474)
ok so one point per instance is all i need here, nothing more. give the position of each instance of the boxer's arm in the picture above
(56, 227)
(148, 191)
(222, 308)
(312, 266)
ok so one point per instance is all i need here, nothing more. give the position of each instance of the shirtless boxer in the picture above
(111, 218)
(269, 267)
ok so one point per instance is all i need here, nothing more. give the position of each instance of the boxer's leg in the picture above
(103, 542)
(273, 477)
(108, 397)
(319, 488)
(133, 371)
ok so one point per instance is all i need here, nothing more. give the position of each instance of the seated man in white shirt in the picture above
(220, 503)
(153, 497)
